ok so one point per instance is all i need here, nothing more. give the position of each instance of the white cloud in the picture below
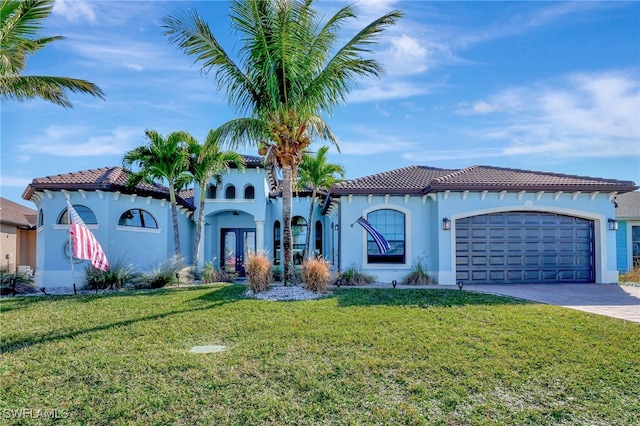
(76, 141)
(405, 56)
(75, 10)
(377, 90)
(581, 115)
(600, 103)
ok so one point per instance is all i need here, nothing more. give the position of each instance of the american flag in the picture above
(380, 240)
(85, 245)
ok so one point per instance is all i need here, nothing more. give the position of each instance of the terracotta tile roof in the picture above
(419, 180)
(109, 179)
(407, 180)
(628, 205)
(16, 214)
(251, 162)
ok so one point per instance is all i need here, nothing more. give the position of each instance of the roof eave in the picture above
(536, 188)
(377, 191)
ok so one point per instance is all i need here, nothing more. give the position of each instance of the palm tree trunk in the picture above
(199, 226)
(307, 248)
(176, 233)
(287, 246)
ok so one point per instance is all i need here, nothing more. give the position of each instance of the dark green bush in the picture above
(159, 276)
(14, 283)
(354, 275)
(120, 272)
(418, 274)
(211, 274)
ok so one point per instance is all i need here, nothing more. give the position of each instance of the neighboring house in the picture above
(17, 236)
(628, 234)
(476, 225)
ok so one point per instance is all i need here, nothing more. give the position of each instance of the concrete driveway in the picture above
(604, 299)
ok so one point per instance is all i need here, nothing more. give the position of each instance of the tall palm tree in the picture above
(290, 73)
(163, 159)
(20, 22)
(316, 173)
(206, 162)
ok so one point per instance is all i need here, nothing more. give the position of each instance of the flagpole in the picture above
(73, 274)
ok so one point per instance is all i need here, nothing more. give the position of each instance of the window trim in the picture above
(253, 188)
(277, 243)
(298, 245)
(64, 210)
(407, 238)
(226, 192)
(142, 219)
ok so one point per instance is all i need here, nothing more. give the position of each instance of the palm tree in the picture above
(317, 173)
(20, 21)
(290, 73)
(207, 162)
(163, 160)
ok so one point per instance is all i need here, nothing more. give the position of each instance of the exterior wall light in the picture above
(446, 224)
(613, 225)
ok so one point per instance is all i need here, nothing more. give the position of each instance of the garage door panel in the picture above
(496, 275)
(524, 247)
(479, 275)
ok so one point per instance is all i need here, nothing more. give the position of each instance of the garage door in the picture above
(524, 247)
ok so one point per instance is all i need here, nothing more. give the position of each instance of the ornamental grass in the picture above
(316, 275)
(258, 268)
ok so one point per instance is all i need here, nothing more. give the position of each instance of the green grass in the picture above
(357, 357)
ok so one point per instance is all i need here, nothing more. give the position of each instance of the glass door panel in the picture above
(229, 249)
(237, 244)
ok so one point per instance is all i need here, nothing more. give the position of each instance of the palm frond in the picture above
(193, 36)
(52, 89)
(332, 85)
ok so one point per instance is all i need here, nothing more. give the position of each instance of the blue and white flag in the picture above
(381, 241)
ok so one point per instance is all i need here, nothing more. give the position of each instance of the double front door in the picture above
(237, 243)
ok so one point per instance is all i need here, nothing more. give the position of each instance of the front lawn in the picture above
(356, 357)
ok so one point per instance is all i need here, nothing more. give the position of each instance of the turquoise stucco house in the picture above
(479, 224)
(628, 234)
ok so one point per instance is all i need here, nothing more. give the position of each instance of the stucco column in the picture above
(259, 235)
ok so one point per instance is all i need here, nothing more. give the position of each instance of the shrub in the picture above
(632, 276)
(277, 272)
(354, 275)
(159, 276)
(119, 273)
(14, 283)
(258, 267)
(316, 275)
(295, 273)
(418, 274)
(211, 274)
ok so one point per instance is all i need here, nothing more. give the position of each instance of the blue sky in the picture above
(550, 86)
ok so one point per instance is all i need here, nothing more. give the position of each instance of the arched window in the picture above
(139, 218)
(276, 243)
(391, 224)
(230, 192)
(86, 214)
(249, 192)
(40, 218)
(299, 237)
(318, 238)
(211, 192)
